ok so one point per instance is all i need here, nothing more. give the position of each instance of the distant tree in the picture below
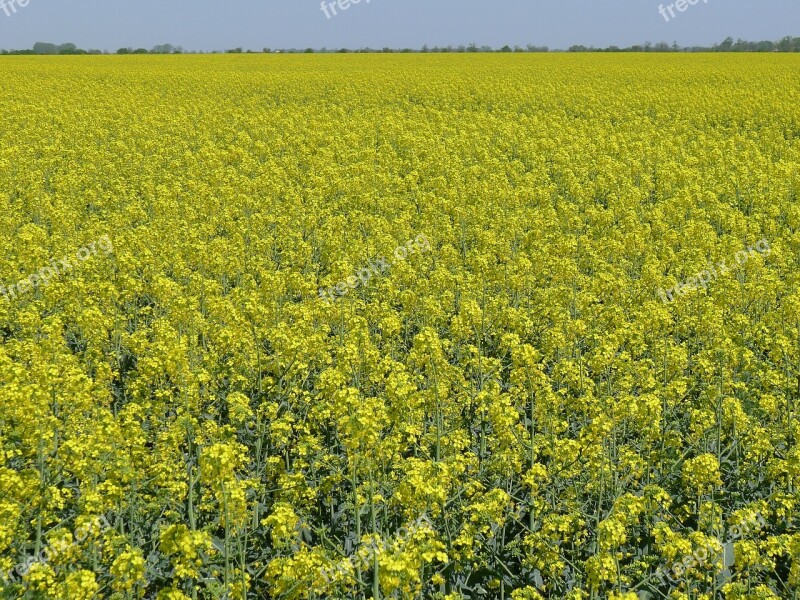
(309, 51)
(140, 51)
(70, 49)
(162, 49)
(45, 48)
(125, 51)
(739, 46)
(785, 44)
(505, 48)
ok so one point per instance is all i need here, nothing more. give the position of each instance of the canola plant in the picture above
(541, 395)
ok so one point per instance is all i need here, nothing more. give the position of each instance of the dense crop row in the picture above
(512, 413)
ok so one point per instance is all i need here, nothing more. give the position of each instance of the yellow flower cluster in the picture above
(520, 387)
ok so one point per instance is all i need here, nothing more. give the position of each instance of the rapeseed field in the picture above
(404, 326)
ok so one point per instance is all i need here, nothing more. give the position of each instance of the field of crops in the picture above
(400, 326)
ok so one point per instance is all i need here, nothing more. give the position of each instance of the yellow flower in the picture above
(128, 570)
(283, 523)
(701, 474)
(80, 585)
(185, 548)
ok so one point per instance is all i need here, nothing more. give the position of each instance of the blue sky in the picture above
(255, 24)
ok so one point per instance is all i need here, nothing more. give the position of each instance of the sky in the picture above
(206, 25)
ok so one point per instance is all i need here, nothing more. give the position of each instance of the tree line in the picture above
(786, 44)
